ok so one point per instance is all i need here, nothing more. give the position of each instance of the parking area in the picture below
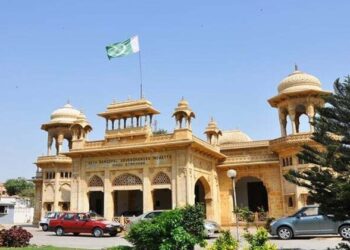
(84, 241)
(89, 242)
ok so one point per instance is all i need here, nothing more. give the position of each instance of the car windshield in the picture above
(50, 215)
(96, 216)
(306, 211)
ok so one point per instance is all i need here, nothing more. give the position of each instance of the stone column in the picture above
(310, 111)
(291, 112)
(108, 197)
(57, 191)
(59, 142)
(283, 122)
(147, 191)
(49, 143)
(106, 124)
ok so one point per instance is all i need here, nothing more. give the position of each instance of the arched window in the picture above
(161, 178)
(127, 180)
(95, 181)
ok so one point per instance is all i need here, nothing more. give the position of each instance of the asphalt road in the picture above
(89, 242)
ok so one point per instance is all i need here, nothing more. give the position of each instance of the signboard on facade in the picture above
(135, 161)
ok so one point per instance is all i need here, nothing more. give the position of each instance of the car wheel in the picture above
(345, 232)
(76, 234)
(285, 233)
(45, 227)
(59, 231)
(97, 232)
(113, 234)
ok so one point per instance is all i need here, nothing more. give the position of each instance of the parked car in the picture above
(78, 223)
(210, 227)
(309, 221)
(145, 216)
(44, 222)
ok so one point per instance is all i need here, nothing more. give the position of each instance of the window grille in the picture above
(161, 178)
(127, 180)
(95, 181)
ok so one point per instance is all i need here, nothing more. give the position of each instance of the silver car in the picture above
(210, 227)
(309, 221)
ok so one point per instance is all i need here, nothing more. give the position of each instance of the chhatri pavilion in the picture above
(134, 169)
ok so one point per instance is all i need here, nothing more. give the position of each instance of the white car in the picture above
(44, 222)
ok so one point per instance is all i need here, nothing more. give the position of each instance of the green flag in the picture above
(123, 48)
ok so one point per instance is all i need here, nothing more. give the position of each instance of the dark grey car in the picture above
(309, 221)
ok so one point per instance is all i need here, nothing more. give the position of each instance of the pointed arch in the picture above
(127, 180)
(161, 178)
(95, 181)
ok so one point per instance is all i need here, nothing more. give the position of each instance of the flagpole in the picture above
(141, 94)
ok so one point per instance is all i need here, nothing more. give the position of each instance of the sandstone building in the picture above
(134, 170)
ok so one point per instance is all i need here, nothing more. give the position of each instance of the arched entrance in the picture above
(96, 195)
(252, 193)
(161, 193)
(128, 195)
(96, 202)
(203, 195)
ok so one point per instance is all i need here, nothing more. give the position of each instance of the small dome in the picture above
(183, 103)
(233, 136)
(299, 81)
(66, 114)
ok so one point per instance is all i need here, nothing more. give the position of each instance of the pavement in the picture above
(88, 242)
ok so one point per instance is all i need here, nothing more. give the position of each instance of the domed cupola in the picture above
(233, 136)
(183, 113)
(299, 93)
(66, 123)
(299, 81)
(66, 114)
(213, 132)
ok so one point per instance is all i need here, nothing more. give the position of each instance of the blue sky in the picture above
(225, 57)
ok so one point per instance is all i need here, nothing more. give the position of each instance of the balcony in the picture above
(57, 159)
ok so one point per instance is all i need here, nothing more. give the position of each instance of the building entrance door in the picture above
(96, 202)
(128, 202)
(162, 199)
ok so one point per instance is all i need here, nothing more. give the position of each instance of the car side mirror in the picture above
(298, 216)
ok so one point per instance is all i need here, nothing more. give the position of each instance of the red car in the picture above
(78, 223)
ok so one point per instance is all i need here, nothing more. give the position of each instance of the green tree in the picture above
(160, 132)
(328, 180)
(19, 186)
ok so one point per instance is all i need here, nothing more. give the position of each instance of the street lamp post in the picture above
(232, 175)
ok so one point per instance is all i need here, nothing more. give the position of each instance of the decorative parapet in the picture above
(249, 144)
(291, 140)
(250, 159)
(58, 159)
(128, 132)
(166, 137)
(94, 144)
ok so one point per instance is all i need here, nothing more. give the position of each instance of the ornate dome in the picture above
(233, 136)
(66, 114)
(299, 81)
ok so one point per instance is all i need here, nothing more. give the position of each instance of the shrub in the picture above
(225, 242)
(15, 237)
(259, 240)
(175, 229)
(268, 223)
